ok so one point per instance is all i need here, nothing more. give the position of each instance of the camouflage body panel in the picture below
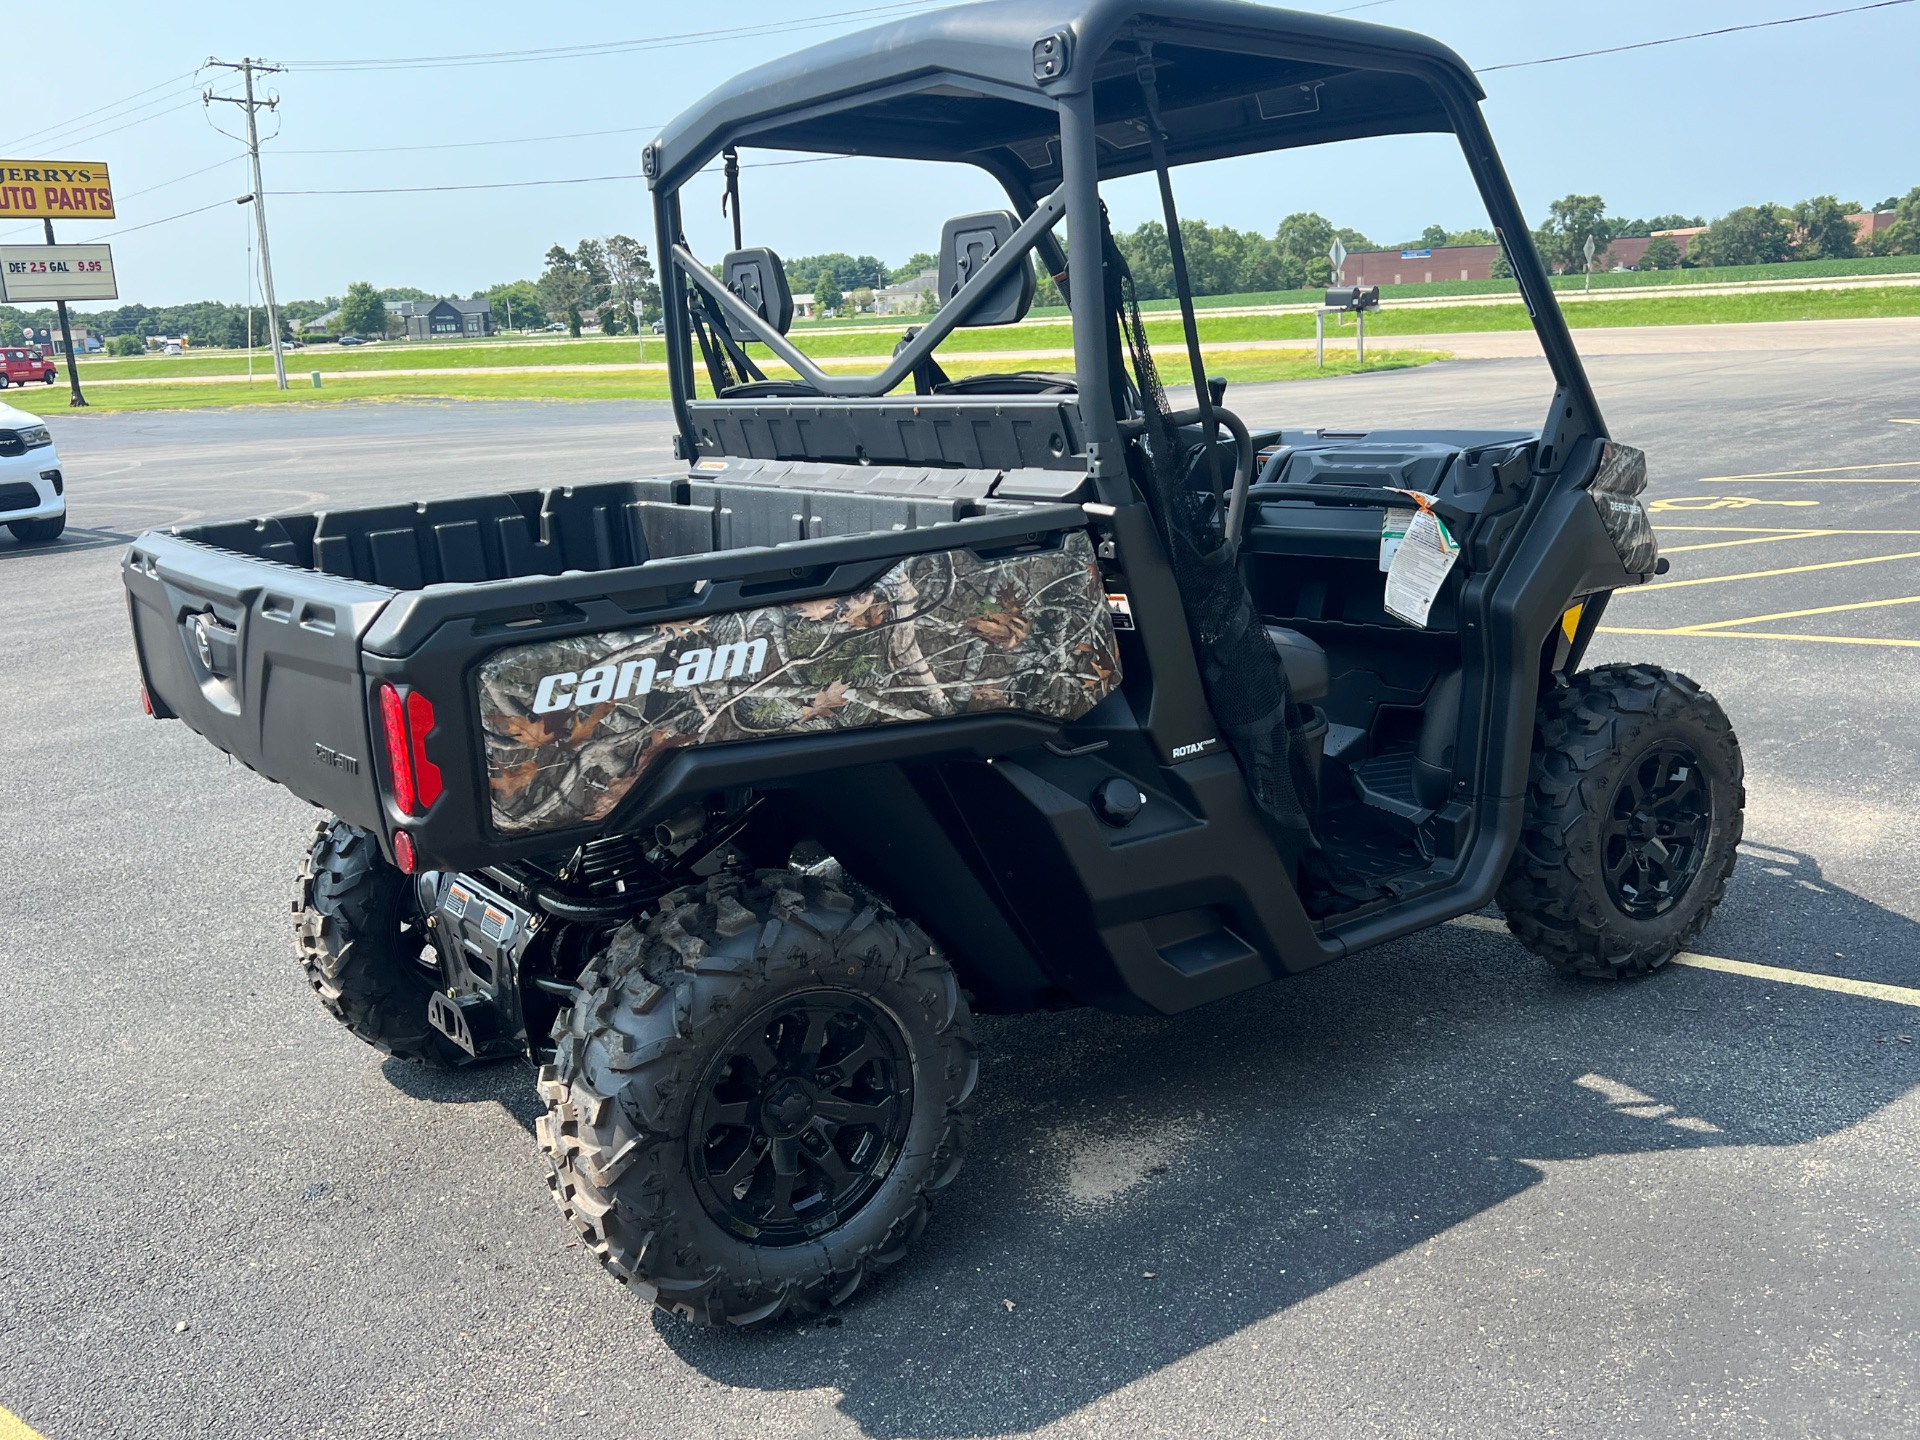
(573, 725)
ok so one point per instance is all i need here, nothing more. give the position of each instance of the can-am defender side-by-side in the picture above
(729, 794)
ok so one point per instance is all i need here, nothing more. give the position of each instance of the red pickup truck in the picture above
(22, 363)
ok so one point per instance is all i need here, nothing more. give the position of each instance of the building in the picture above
(445, 319)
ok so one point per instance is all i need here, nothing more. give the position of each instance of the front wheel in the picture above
(38, 532)
(1635, 805)
(756, 1095)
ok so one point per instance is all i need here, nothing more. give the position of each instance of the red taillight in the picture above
(393, 719)
(146, 702)
(407, 721)
(403, 855)
(426, 774)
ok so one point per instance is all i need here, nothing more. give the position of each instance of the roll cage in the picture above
(1051, 98)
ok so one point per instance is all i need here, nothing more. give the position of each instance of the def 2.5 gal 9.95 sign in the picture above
(55, 190)
(34, 274)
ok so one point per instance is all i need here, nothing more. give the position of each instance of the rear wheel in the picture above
(359, 936)
(38, 532)
(756, 1095)
(1634, 813)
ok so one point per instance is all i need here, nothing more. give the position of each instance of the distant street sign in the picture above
(34, 274)
(1588, 248)
(1338, 255)
(1423, 254)
(55, 190)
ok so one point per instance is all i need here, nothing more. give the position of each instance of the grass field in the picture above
(1564, 284)
(357, 374)
(1241, 365)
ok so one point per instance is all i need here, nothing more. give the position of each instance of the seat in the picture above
(1305, 663)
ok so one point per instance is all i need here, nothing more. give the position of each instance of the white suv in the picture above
(33, 492)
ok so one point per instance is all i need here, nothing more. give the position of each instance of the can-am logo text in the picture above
(568, 688)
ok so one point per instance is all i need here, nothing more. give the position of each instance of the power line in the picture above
(475, 144)
(613, 47)
(33, 137)
(1696, 35)
(526, 184)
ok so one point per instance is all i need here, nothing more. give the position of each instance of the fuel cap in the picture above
(1117, 801)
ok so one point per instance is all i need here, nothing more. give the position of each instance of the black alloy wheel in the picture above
(1656, 830)
(801, 1116)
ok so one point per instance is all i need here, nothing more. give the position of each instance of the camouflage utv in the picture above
(728, 795)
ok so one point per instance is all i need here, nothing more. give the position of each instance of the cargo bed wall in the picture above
(475, 539)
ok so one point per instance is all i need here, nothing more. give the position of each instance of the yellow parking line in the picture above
(1664, 528)
(1762, 635)
(1795, 614)
(12, 1427)
(1749, 540)
(1767, 574)
(1810, 979)
(1818, 469)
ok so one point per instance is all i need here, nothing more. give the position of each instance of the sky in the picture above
(1700, 127)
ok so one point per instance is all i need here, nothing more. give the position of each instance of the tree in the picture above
(591, 257)
(1751, 235)
(1501, 267)
(920, 262)
(563, 287)
(861, 298)
(636, 297)
(826, 293)
(1301, 245)
(1661, 254)
(1822, 231)
(1431, 236)
(126, 345)
(848, 270)
(1571, 221)
(516, 304)
(363, 312)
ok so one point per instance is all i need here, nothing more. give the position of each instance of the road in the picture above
(1432, 1190)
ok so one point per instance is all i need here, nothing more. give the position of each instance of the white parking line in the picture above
(1809, 979)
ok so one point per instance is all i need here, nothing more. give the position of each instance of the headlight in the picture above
(34, 436)
(1616, 491)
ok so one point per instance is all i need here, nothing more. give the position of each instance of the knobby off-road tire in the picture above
(1635, 805)
(751, 1026)
(358, 933)
(38, 532)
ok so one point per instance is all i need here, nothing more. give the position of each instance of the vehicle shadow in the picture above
(1139, 1189)
(506, 1083)
(70, 540)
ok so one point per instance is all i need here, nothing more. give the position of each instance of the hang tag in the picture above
(1393, 529)
(1421, 564)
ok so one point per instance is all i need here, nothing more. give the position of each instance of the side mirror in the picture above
(757, 278)
(966, 244)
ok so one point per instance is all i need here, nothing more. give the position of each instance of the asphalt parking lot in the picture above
(1433, 1190)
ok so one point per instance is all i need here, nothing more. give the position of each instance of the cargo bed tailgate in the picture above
(263, 660)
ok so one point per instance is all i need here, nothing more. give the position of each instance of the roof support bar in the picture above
(1045, 216)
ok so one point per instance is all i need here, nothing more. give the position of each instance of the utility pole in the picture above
(247, 67)
(66, 339)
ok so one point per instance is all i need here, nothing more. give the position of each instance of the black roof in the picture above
(961, 84)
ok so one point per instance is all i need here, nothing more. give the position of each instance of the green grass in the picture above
(1679, 309)
(623, 349)
(1709, 275)
(1241, 366)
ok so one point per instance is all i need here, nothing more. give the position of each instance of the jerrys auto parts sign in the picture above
(55, 190)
